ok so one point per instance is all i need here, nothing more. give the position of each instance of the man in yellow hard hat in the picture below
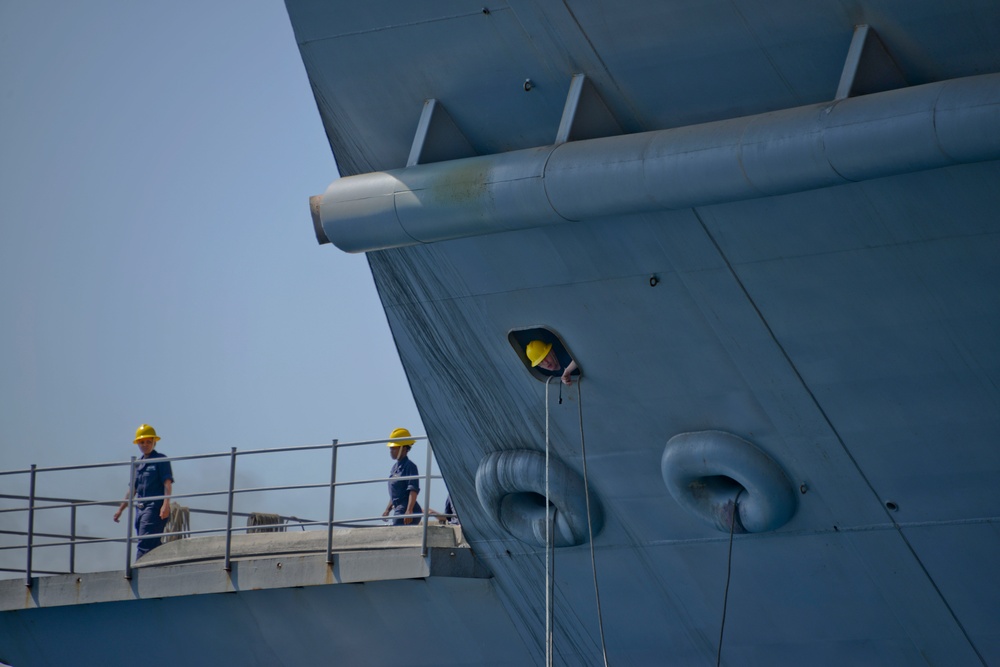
(402, 492)
(546, 357)
(152, 478)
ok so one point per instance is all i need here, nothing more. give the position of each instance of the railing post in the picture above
(131, 519)
(427, 501)
(72, 539)
(31, 524)
(229, 512)
(333, 491)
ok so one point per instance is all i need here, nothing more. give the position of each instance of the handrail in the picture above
(215, 455)
(204, 531)
(69, 503)
(41, 503)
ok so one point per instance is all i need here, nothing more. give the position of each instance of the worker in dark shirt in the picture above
(449, 508)
(152, 478)
(545, 357)
(402, 492)
(442, 517)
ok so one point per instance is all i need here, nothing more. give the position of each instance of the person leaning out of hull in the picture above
(544, 356)
(402, 492)
(152, 478)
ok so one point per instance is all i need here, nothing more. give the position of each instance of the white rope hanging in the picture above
(549, 551)
(549, 547)
(590, 523)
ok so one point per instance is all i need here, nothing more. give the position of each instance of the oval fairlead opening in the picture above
(705, 471)
(511, 488)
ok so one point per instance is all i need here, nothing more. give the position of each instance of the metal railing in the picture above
(37, 503)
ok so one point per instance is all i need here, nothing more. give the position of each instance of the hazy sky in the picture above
(158, 263)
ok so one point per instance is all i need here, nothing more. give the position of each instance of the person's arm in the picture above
(168, 488)
(121, 508)
(387, 508)
(410, 502)
(567, 374)
(441, 519)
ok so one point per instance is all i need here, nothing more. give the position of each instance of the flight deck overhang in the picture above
(782, 152)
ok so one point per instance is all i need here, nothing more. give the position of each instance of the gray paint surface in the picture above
(718, 348)
(848, 332)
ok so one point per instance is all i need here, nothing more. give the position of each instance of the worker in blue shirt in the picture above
(550, 360)
(402, 492)
(442, 517)
(152, 478)
(449, 508)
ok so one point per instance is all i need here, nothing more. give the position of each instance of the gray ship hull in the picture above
(713, 270)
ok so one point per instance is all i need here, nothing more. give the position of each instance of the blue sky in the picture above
(157, 261)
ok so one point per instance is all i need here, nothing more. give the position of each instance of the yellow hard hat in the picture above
(143, 432)
(536, 351)
(401, 433)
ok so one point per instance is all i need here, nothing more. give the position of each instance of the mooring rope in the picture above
(549, 648)
(729, 565)
(590, 525)
(274, 523)
(179, 521)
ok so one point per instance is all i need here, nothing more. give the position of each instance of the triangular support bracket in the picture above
(585, 115)
(438, 139)
(869, 68)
